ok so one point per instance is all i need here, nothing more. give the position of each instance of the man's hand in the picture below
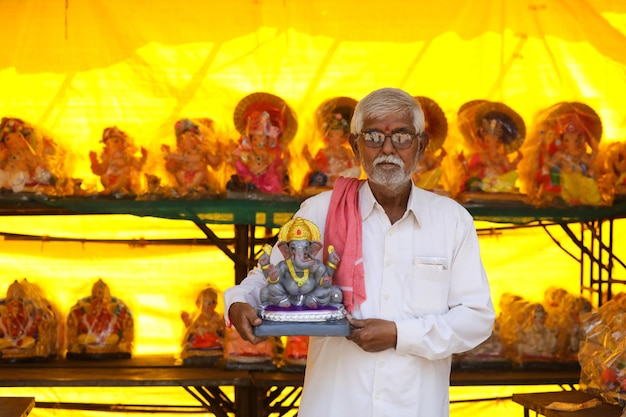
(373, 335)
(244, 318)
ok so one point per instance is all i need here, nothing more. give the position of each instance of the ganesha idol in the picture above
(299, 298)
(117, 166)
(429, 172)
(29, 325)
(296, 352)
(569, 134)
(30, 162)
(335, 158)
(494, 134)
(100, 326)
(203, 339)
(267, 125)
(239, 354)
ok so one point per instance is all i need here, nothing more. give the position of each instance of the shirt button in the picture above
(386, 297)
(387, 262)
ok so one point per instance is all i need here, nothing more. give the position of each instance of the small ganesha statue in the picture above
(299, 288)
(203, 340)
(29, 325)
(100, 326)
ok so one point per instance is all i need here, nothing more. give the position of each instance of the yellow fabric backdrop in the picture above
(75, 67)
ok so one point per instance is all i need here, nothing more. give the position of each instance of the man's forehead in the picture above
(387, 123)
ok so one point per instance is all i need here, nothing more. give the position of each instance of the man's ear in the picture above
(423, 143)
(353, 144)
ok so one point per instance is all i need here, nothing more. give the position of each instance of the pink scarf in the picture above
(343, 230)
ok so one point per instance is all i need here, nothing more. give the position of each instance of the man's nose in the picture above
(387, 145)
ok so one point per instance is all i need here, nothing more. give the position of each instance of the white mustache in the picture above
(389, 159)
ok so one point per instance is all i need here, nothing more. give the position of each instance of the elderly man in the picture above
(411, 275)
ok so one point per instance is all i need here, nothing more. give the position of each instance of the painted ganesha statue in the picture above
(29, 325)
(100, 326)
(299, 287)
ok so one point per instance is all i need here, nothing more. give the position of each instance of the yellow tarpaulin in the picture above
(76, 67)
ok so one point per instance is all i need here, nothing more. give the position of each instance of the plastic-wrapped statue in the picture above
(117, 165)
(612, 177)
(203, 339)
(571, 332)
(29, 325)
(563, 318)
(428, 174)
(511, 318)
(495, 132)
(570, 133)
(335, 158)
(189, 163)
(536, 341)
(23, 167)
(602, 354)
(100, 326)
(267, 125)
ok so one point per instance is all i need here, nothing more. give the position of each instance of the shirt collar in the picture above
(368, 202)
(413, 205)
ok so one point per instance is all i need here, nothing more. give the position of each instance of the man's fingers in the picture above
(355, 322)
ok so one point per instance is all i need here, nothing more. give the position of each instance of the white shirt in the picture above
(424, 273)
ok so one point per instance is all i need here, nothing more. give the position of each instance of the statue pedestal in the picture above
(339, 327)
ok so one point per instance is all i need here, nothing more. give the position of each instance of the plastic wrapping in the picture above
(602, 354)
(493, 133)
(535, 335)
(566, 139)
(612, 171)
(564, 311)
(31, 161)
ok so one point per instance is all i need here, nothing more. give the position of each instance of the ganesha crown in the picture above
(299, 229)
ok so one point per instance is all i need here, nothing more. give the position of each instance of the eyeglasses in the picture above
(399, 140)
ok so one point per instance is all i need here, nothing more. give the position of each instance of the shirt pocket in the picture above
(427, 264)
(427, 286)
